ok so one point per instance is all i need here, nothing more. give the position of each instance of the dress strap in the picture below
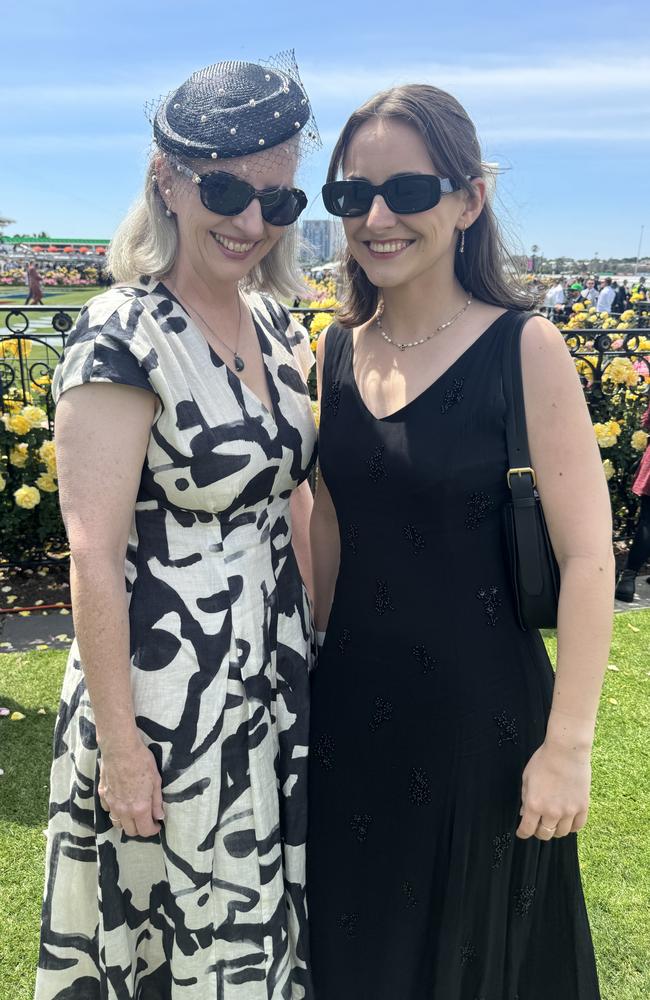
(337, 352)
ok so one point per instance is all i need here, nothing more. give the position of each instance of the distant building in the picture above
(322, 237)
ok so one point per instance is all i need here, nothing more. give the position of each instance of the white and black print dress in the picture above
(221, 645)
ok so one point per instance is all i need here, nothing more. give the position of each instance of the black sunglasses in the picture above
(226, 194)
(404, 195)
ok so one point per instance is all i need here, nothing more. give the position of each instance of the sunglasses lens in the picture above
(282, 206)
(347, 198)
(224, 193)
(413, 193)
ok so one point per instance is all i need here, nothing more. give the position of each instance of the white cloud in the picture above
(550, 133)
(564, 78)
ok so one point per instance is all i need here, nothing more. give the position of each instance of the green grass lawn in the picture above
(615, 847)
(40, 324)
(53, 295)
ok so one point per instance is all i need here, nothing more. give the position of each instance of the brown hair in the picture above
(485, 269)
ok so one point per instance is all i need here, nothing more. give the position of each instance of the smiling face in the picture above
(225, 248)
(398, 249)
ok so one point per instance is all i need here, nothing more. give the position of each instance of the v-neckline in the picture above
(427, 388)
(262, 340)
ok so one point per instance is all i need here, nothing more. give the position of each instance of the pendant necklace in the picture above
(416, 343)
(238, 361)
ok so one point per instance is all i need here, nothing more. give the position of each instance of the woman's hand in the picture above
(555, 792)
(130, 789)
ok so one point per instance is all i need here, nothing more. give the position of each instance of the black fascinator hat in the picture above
(235, 108)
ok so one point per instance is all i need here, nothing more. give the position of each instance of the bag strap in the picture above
(521, 477)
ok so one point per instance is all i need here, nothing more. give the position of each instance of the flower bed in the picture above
(59, 276)
(30, 519)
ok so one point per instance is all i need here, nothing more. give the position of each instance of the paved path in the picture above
(55, 630)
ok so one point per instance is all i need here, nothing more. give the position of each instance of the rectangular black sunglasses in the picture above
(404, 195)
(226, 194)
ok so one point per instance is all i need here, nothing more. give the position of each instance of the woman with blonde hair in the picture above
(184, 438)
(449, 775)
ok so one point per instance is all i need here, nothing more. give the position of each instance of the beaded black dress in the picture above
(427, 703)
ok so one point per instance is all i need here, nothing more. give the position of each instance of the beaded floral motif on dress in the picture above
(376, 465)
(524, 900)
(383, 602)
(323, 751)
(351, 537)
(413, 536)
(508, 732)
(344, 639)
(424, 658)
(420, 787)
(453, 395)
(383, 713)
(500, 845)
(348, 922)
(360, 825)
(491, 601)
(333, 397)
(409, 892)
(478, 506)
(467, 953)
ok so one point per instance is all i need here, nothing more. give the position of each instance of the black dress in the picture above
(427, 703)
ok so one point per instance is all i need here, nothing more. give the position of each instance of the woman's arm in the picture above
(301, 504)
(101, 438)
(324, 531)
(576, 504)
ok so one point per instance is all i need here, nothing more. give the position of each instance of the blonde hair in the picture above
(146, 243)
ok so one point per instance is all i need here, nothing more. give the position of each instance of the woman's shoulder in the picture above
(107, 344)
(268, 310)
(99, 310)
(280, 323)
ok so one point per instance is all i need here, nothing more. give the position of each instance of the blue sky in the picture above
(560, 95)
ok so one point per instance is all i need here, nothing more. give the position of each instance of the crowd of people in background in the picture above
(606, 295)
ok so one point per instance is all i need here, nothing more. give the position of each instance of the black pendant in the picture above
(239, 363)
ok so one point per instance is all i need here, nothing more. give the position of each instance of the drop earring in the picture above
(461, 248)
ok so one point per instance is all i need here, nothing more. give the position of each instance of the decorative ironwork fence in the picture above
(33, 338)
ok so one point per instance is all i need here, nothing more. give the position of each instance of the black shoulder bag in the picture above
(534, 570)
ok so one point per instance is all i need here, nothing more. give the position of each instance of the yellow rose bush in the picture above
(617, 390)
(30, 519)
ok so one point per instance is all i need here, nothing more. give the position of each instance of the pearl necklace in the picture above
(416, 343)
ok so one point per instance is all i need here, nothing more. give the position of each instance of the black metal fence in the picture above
(33, 338)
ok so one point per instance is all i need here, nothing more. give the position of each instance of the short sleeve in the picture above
(298, 339)
(106, 345)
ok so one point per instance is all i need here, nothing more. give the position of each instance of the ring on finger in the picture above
(548, 828)
(114, 820)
